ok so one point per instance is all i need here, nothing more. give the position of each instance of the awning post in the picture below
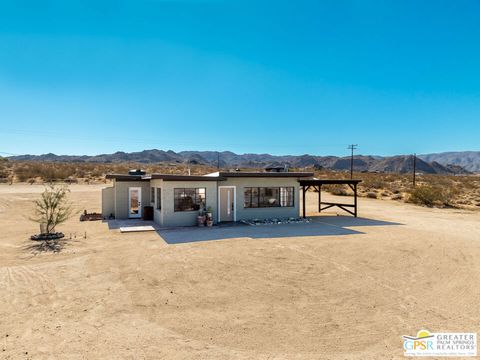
(304, 203)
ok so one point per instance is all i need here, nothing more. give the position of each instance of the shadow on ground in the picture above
(350, 221)
(319, 226)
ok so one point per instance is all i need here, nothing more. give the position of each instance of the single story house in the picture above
(177, 199)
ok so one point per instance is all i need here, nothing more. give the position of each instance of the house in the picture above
(177, 199)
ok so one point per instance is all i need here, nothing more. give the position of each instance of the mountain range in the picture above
(441, 163)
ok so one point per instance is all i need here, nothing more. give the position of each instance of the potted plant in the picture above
(209, 212)
(209, 221)
(201, 217)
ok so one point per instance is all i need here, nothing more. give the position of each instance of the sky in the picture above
(279, 77)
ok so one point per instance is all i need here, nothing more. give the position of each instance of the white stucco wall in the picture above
(263, 213)
(170, 217)
(121, 196)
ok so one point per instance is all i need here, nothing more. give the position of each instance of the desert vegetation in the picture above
(430, 190)
(79, 172)
(51, 210)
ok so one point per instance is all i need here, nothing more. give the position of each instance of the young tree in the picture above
(52, 208)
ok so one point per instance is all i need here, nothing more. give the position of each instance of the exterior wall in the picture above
(108, 201)
(121, 196)
(263, 213)
(115, 199)
(157, 214)
(186, 218)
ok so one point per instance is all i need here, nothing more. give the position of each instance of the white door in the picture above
(227, 204)
(134, 202)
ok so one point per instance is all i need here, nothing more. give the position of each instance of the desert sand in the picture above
(350, 293)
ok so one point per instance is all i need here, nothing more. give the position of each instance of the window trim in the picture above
(158, 200)
(196, 193)
(268, 187)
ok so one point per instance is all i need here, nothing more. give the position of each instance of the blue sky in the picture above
(283, 77)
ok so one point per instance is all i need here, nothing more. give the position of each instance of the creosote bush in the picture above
(52, 208)
(429, 195)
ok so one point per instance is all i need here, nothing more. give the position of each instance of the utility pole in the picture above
(218, 160)
(352, 147)
(414, 168)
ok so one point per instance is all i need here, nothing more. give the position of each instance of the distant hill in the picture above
(428, 164)
(469, 160)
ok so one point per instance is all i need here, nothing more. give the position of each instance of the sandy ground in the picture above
(346, 294)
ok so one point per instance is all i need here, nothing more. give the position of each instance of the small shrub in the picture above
(397, 197)
(52, 208)
(429, 195)
(337, 190)
(372, 195)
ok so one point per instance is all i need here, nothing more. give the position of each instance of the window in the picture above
(286, 196)
(258, 197)
(189, 199)
(152, 195)
(159, 199)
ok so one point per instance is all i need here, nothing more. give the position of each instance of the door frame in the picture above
(139, 215)
(234, 201)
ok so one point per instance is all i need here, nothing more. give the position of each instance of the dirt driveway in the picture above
(341, 288)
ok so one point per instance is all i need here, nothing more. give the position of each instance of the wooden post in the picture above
(319, 198)
(304, 203)
(355, 198)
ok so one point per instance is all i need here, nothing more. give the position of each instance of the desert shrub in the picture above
(372, 195)
(52, 208)
(373, 181)
(397, 197)
(337, 190)
(3, 173)
(431, 195)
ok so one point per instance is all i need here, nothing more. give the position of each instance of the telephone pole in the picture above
(218, 160)
(351, 147)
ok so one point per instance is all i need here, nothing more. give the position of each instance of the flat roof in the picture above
(173, 177)
(220, 176)
(124, 177)
(307, 182)
(165, 177)
(265, 174)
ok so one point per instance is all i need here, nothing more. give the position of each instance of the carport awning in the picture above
(317, 185)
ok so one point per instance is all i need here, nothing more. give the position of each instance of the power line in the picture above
(9, 154)
(147, 142)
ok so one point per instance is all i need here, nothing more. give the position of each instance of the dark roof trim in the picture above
(222, 176)
(266, 174)
(310, 182)
(172, 177)
(123, 177)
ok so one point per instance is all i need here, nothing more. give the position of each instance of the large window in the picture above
(258, 197)
(159, 199)
(189, 199)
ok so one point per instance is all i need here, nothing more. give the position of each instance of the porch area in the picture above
(324, 205)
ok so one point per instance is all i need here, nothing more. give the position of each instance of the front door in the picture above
(227, 204)
(134, 202)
